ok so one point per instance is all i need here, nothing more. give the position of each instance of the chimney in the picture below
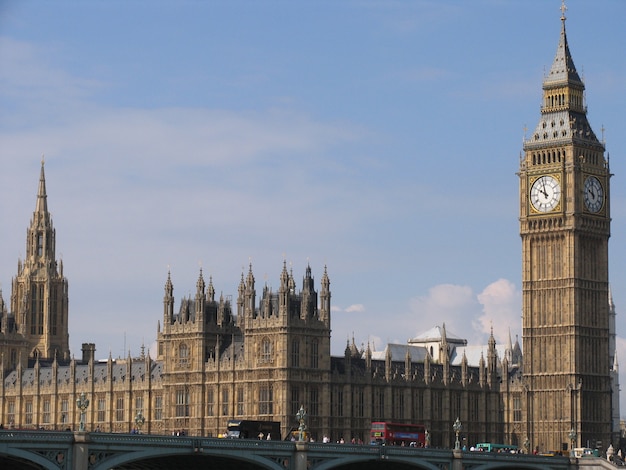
(89, 352)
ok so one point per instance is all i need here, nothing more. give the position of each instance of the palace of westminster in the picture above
(263, 358)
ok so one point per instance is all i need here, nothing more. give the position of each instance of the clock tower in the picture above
(565, 228)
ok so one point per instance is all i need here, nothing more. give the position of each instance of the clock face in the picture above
(545, 193)
(594, 194)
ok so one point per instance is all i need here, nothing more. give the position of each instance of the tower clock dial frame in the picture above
(545, 193)
(593, 195)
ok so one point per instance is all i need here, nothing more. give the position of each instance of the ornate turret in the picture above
(3, 315)
(309, 296)
(200, 300)
(481, 371)
(464, 366)
(324, 313)
(249, 296)
(407, 365)
(492, 360)
(168, 301)
(39, 298)
(241, 304)
(210, 294)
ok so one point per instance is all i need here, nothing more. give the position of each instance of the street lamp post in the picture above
(457, 426)
(82, 402)
(301, 417)
(139, 421)
(572, 437)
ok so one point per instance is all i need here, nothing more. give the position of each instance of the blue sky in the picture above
(379, 138)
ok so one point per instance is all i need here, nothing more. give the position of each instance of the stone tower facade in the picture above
(39, 296)
(262, 361)
(565, 229)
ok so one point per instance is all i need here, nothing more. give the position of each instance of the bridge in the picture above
(50, 450)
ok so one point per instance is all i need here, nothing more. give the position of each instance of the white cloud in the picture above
(355, 308)
(445, 303)
(498, 305)
(501, 310)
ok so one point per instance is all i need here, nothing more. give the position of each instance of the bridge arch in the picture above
(505, 465)
(16, 458)
(369, 462)
(184, 458)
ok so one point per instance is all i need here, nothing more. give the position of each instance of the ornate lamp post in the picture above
(82, 402)
(572, 438)
(527, 445)
(139, 421)
(301, 417)
(457, 426)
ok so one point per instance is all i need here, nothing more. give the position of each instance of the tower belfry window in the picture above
(36, 313)
(40, 244)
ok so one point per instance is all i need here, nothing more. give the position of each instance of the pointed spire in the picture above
(563, 70)
(354, 351)
(169, 287)
(307, 282)
(508, 353)
(492, 341)
(388, 363)
(563, 111)
(407, 364)
(292, 281)
(481, 370)
(42, 198)
(346, 351)
(211, 289)
(284, 277)
(242, 284)
(325, 280)
(200, 284)
(464, 365)
(250, 278)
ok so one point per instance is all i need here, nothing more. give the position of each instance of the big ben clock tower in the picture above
(565, 229)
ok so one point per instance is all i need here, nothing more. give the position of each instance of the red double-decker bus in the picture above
(398, 434)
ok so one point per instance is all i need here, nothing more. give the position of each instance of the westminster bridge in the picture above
(26, 450)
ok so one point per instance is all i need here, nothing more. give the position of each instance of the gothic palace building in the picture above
(264, 358)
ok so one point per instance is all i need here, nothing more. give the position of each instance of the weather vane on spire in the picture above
(563, 10)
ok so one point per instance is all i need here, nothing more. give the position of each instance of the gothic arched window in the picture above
(314, 354)
(266, 350)
(183, 355)
(295, 353)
